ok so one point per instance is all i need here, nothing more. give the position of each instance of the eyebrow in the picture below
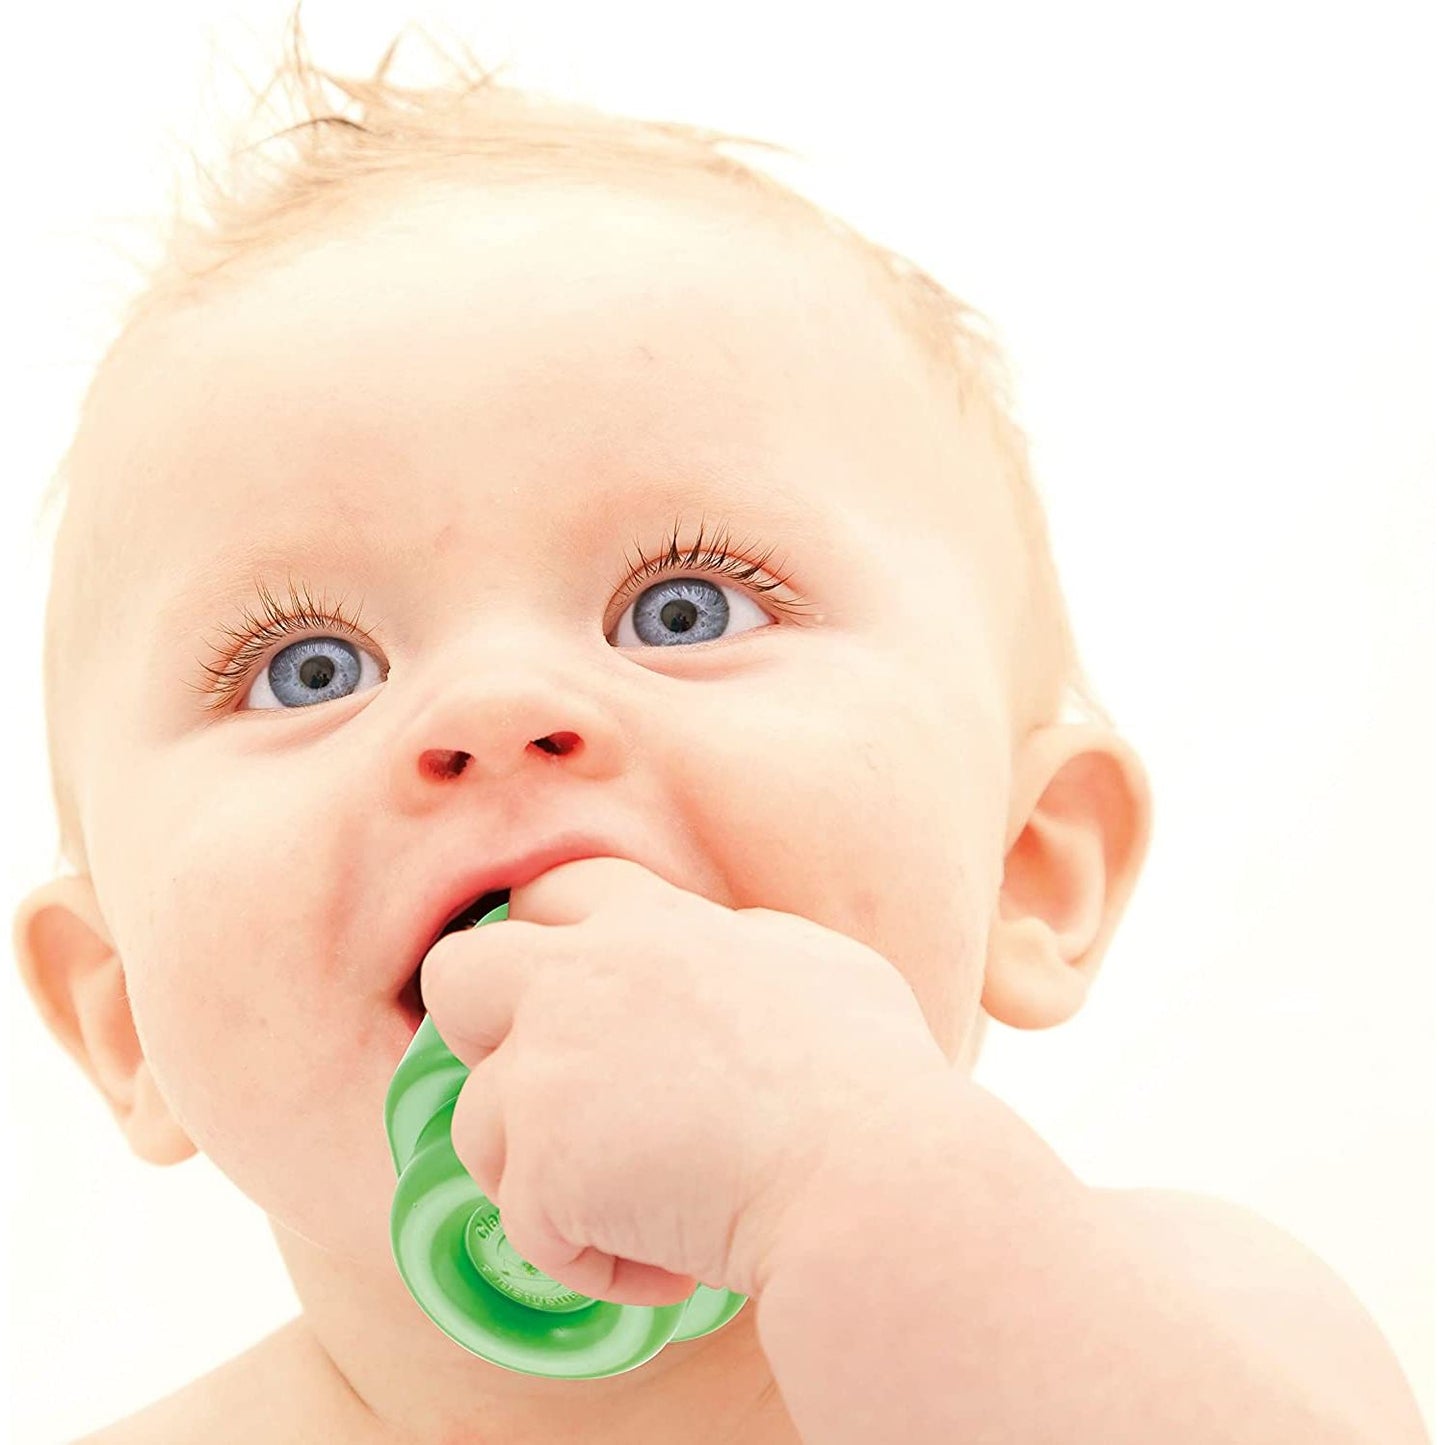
(227, 578)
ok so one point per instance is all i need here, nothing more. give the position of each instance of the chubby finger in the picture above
(590, 1271)
(572, 892)
(479, 1134)
(472, 982)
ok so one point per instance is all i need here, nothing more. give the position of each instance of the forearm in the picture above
(948, 1279)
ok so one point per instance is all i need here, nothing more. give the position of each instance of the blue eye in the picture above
(681, 610)
(315, 669)
(319, 668)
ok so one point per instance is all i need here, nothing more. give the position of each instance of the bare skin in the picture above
(462, 412)
(286, 1390)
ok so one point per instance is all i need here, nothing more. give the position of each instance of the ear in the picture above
(74, 976)
(1079, 823)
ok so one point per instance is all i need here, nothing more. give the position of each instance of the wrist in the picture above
(865, 1158)
(941, 1147)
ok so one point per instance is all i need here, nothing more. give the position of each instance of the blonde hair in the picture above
(471, 122)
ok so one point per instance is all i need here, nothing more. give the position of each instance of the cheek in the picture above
(855, 796)
(282, 1108)
(247, 900)
(256, 1028)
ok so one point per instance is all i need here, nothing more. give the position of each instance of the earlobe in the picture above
(1078, 831)
(74, 976)
(1027, 983)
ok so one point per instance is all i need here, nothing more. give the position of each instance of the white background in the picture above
(1201, 232)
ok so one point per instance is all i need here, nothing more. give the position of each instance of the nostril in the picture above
(443, 762)
(557, 743)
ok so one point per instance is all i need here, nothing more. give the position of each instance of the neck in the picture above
(398, 1380)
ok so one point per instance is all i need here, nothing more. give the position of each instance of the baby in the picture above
(461, 444)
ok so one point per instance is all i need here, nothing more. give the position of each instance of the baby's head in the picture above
(507, 471)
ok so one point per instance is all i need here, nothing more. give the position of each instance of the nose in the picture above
(505, 722)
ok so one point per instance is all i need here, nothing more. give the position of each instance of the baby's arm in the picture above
(948, 1279)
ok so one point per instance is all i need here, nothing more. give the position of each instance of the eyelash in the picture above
(255, 635)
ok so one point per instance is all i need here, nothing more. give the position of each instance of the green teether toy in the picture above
(448, 1243)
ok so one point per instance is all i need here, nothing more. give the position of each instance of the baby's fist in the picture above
(655, 1076)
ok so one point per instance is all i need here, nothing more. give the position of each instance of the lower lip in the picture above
(411, 1002)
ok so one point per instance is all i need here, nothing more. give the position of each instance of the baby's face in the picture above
(463, 424)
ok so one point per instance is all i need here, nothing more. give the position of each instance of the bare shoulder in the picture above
(1263, 1284)
(1229, 1246)
(268, 1392)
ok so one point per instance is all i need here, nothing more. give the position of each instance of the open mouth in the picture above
(472, 914)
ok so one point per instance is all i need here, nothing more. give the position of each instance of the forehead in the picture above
(447, 348)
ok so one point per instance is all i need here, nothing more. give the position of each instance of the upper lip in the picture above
(453, 891)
